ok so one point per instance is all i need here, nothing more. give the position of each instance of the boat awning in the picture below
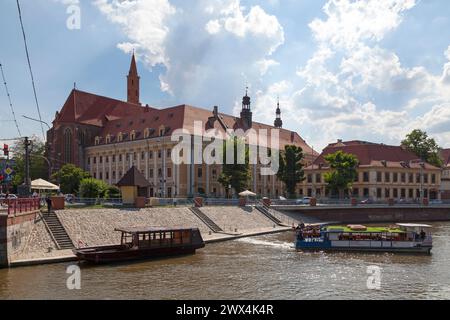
(413, 225)
(150, 229)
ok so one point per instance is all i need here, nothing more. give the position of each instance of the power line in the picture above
(29, 66)
(9, 99)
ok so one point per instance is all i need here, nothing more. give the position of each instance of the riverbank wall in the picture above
(368, 214)
(15, 229)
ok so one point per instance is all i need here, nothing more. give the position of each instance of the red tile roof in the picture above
(86, 108)
(116, 117)
(373, 154)
(445, 155)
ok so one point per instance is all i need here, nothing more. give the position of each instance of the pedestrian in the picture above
(49, 203)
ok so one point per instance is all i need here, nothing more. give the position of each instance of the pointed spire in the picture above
(246, 113)
(278, 123)
(133, 82)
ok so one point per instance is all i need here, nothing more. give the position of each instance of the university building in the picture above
(384, 172)
(107, 137)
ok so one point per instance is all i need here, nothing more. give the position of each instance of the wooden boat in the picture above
(406, 237)
(145, 243)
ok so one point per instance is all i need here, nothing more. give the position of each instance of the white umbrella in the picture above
(41, 184)
(247, 193)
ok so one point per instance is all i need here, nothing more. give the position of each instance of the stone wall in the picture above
(372, 214)
(14, 233)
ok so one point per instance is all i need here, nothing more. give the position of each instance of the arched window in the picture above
(68, 145)
(108, 138)
(120, 137)
(133, 135)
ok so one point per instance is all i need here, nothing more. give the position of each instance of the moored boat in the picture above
(145, 243)
(403, 237)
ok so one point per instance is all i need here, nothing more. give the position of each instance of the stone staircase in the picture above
(265, 211)
(206, 220)
(57, 231)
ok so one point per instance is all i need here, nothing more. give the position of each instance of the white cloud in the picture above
(210, 49)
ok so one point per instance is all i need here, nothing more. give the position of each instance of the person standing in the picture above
(49, 203)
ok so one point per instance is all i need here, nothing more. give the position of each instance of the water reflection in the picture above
(264, 267)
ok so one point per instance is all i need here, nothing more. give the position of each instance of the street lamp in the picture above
(37, 120)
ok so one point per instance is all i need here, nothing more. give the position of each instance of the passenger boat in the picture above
(145, 243)
(406, 237)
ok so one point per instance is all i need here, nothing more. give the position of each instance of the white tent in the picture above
(41, 184)
(247, 193)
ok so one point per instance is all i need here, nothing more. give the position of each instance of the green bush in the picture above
(93, 188)
(112, 192)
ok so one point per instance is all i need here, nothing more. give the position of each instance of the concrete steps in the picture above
(206, 220)
(57, 231)
(266, 212)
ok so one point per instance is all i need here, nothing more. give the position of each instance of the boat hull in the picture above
(327, 246)
(111, 254)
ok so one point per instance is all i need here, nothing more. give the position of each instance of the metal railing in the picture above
(22, 205)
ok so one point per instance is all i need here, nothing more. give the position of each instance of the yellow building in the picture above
(384, 172)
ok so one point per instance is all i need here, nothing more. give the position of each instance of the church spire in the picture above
(278, 123)
(246, 113)
(133, 80)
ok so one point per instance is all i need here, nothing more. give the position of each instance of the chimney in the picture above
(216, 112)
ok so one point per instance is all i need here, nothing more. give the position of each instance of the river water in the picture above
(265, 267)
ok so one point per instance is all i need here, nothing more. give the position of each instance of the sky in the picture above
(342, 69)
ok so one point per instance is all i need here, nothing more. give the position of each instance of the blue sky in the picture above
(349, 69)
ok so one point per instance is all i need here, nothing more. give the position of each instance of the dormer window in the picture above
(162, 131)
(120, 137)
(108, 139)
(133, 135)
(146, 133)
(97, 141)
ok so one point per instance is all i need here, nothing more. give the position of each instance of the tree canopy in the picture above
(343, 171)
(38, 164)
(424, 147)
(291, 168)
(69, 177)
(237, 175)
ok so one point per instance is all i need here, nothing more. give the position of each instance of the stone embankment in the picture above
(95, 227)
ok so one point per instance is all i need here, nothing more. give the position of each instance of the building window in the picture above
(411, 178)
(366, 177)
(108, 139)
(411, 193)
(68, 146)
(95, 175)
(425, 178)
(159, 154)
(387, 177)
(395, 193)
(214, 173)
(355, 192)
(114, 158)
(159, 172)
(309, 178)
(199, 172)
(403, 177)
(133, 135)
(366, 192)
(395, 177)
(379, 179)
(101, 175)
(107, 175)
(433, 179)
(89, 161)
(318, 178)
(142, 155)
(169, 172)
(120, 137)
(101, 159)
(403, 193)
(114, 175)
(169, 153)
(387, 193)
(150, 155)
(95, 160)
(418, 178)
(379, 193)
(151, 173)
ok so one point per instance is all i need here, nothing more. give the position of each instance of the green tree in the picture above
(112, 192)
(92, 188)
(424, 147)
(343, 172)
(291, 168)
(237, 175)
(69, 177)
(38, 164)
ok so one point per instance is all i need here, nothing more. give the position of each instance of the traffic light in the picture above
(6, 150)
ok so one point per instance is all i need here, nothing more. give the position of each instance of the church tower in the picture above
(278, 123)
(133, 83)
(246, 113)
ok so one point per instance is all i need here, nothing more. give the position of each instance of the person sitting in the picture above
(423, 235)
